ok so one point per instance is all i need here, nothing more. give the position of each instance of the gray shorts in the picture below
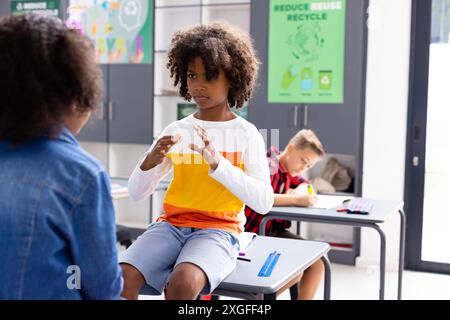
(163, 246)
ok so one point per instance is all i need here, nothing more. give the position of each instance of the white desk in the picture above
(378, 214)
(296, 256)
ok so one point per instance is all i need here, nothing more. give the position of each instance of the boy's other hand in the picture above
(159, 151)
(209, 153)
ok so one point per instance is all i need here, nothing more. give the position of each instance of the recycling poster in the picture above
(120, 29)
(306, 51)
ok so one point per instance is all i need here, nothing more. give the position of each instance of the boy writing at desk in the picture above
(292, 189)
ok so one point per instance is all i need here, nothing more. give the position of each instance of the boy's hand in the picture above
(306, 200)
(159, 151)
(208, 152)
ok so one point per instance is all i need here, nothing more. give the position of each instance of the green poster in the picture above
(306, 51)
(185, 109)
(242, 112)
(50, 7)
(122, 30)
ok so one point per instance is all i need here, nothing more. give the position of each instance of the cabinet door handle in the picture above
(110, 111)
(416, 134)
(102, 114)
(305, 116)
(295, 116)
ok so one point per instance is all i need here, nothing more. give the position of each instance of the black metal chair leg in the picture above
(294, 292)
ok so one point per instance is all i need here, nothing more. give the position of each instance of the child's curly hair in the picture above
(46, 70)
(220, 46)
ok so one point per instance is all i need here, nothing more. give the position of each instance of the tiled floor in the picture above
(352, 283)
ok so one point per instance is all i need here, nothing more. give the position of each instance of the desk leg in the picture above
(262, 226)
(327, 279)
(270, 296)
(382, 258)
(375, 226)
(401, 259)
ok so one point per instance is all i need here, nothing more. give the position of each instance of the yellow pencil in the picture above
(311, 189)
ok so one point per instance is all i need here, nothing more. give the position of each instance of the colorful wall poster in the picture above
(121, 29)
(306, 51)
(51, 7)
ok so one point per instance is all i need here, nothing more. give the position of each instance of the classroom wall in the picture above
(386, 119)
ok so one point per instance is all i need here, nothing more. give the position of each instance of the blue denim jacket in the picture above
(57, 223)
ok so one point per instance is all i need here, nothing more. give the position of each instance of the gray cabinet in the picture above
(4, 8)
(340, 127)
(97, 127)
(130, 106)
(126, 114)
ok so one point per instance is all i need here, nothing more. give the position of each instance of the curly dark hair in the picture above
(220, 46)
(46, 70)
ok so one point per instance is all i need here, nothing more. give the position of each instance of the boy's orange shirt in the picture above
(200, 198)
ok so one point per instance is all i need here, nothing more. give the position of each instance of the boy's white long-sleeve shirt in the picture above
(199, 197)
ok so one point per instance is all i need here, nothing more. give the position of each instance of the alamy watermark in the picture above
(234, 142)
(74, 280)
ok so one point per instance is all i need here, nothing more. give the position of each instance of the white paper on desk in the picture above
(245, 238)
(328, 202)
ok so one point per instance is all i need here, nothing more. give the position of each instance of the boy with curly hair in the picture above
(218, 162)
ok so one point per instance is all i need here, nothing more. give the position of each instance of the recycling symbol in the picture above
(131, 8)
(130, 14)
(325, 80)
